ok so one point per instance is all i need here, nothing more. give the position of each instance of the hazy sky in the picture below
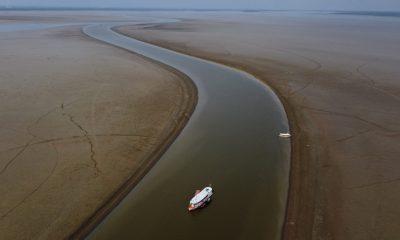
(392, 5)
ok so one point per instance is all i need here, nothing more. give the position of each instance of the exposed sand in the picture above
(78, 119)
(338, 77)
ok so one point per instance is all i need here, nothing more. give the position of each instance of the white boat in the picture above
(284, 135)
(200, 198)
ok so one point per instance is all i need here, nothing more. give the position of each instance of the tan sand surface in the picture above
(338, 77)
(78, 119)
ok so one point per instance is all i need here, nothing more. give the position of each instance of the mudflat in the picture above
(338, 77)
(79, 119)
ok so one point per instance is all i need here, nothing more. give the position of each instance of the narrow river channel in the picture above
(231, 142)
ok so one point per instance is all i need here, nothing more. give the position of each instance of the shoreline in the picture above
(297, 145)
(170, 134)
(83, 133)
(344, 156)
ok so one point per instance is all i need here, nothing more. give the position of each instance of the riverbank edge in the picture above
(300, 204)
(181, 116)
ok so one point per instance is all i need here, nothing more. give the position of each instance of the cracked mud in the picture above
(339, 79)
(76, 123)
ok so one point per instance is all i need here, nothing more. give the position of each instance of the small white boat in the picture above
(200, 199)
(284, 135)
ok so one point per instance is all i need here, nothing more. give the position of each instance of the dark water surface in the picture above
(231, 142)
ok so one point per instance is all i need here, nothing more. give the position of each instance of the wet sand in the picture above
(79, 118)
(338, 78)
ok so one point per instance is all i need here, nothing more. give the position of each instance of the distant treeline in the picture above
(124, 9)
(370, 13)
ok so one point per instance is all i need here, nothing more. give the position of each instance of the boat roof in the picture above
(201, 195)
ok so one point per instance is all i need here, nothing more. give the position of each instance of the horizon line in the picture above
(10, 8)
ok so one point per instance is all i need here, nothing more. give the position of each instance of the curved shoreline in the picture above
(170, 134)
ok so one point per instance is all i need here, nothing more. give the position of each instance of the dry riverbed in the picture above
(338, 77)
(78, 119)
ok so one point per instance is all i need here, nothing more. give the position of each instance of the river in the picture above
(230, 142)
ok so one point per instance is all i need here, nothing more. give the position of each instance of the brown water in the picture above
(231, 142)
